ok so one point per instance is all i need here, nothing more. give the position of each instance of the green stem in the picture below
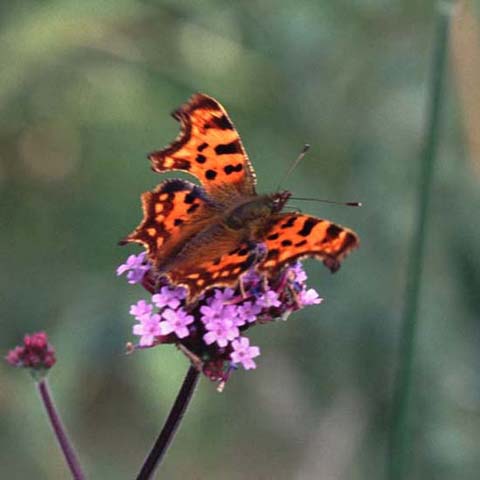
(399, 448)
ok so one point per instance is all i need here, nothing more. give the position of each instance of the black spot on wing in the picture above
(286, 243)
(192, 208)
(202, 147)
(308, 226)
(228, 169)
(301, 243)
(349, 242)
(273, 236)
(189, 198)
(223, 123)
(333, 231)
(228, 148)
(210, 174)
(201, 158)
(178, 221)
(289, 223)
(272, 254)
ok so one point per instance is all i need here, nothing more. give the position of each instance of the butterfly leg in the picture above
(241, 286)
(294, 296)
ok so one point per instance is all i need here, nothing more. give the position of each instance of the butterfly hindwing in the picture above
(216, 257)
(209, 148)
(292, 236)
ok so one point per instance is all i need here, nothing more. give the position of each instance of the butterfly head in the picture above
(279, 200)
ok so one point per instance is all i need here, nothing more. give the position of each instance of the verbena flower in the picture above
(148, 329)
(211, 331)
(176, 321)
(169, 297)
(136, 266)
(35, 353)
(243, 353)
(140, 309)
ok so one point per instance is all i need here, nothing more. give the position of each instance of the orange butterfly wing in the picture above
(209, 148)
(217, 257)
(292, 236)
(172, 213)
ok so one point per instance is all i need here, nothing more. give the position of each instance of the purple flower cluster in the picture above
(35, 353)
(211, 331)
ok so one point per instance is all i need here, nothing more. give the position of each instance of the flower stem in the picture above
(399, 447)
(171, 425)
(59, 430)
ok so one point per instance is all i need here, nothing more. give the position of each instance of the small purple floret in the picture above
(176, 321)
(310, 297)
(221, 331)
(136, 267)
(247, 312)
(148, 329)
(141, 308)
(170, 297)
(244, 353)
(269, 299)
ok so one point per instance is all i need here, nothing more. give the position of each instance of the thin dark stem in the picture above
(172, 423)
(399, 448)
(59, 430)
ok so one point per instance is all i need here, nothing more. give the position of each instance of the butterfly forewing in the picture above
(292, 236)
(209, 148)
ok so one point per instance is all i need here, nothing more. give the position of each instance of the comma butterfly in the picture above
(206, 236)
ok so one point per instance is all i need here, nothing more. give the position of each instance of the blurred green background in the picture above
(85, 92)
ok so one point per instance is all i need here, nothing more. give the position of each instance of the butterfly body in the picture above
(254, 213)
(206, 236)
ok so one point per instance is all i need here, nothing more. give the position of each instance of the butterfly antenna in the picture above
(305, 149)
(346, 204)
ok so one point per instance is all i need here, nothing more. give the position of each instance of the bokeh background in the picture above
(85, 92)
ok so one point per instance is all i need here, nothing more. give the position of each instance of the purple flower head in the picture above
(170, 297)
(148, 329)
(243, 353)
(176, 321)
(35, 353)
(136, 266)
(211, 330)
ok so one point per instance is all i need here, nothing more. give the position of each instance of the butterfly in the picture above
(205, 236)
